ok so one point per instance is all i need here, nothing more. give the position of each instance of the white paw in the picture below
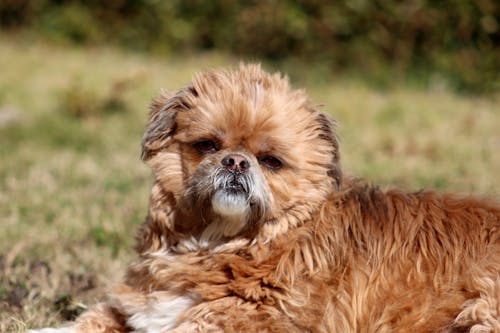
(53, 330)
(160, 315)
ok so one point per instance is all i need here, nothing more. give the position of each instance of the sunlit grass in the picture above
(417, 139)
(73, 188)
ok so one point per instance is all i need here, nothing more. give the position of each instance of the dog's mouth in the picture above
(231, 196)
(235, 186)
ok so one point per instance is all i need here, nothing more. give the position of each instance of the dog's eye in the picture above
(206, 146)
(271, 162)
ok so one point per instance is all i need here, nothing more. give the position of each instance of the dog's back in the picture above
(417, 261)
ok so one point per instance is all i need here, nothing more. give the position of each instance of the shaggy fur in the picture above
(282, 243)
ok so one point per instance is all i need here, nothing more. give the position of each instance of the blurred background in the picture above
(413, 84)
(377, 40)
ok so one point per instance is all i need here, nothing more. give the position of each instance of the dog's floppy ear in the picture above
(327, 133)
(162, 121)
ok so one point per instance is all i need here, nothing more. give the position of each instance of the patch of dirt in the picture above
(38, 286)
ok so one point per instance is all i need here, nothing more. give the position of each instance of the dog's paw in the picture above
(53, 330)
(159, 315)
(482, 314)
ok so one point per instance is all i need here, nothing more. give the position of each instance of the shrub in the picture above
(459, 39)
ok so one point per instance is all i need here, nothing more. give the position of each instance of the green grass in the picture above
(73, 188)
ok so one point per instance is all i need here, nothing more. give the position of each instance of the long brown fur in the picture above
(322, 254)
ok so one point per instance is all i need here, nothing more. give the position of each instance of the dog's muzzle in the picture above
(234, 177)
(232, 186)
(236, 185)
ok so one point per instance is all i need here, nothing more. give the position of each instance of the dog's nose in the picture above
(235, 162)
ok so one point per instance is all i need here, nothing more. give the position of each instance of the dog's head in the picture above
(238, 149)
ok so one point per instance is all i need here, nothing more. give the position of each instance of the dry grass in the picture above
(73, 190)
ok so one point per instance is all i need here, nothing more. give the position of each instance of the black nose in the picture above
(235, 162)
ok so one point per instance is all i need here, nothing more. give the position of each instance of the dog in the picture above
(252, 227)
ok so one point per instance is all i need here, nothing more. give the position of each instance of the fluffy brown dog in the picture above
(251, 228)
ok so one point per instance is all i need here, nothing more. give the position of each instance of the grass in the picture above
(73, 189)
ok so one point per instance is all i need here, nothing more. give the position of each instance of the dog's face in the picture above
(239, 149)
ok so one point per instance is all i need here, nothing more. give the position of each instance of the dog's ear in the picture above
(327, 133)
(162, 121)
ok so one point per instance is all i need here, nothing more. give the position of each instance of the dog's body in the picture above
(251, 228)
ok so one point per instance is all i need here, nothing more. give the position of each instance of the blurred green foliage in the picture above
(80, 102)
(380, 39)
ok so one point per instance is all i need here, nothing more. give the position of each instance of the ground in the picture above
(73, 189)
